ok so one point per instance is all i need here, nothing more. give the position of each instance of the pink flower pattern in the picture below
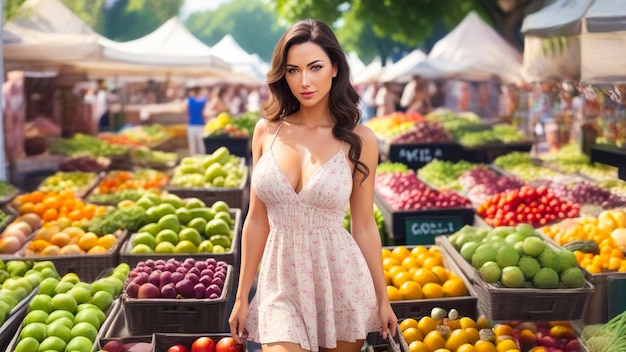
(314, 287)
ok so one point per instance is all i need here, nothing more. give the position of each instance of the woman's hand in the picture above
(388, 320)
(237, 320)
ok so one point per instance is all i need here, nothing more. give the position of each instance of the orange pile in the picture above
(59, 207)
(119, 180)
(419, 273)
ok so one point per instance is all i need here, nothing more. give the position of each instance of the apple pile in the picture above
(545, 336)
(444, 174)
(67, 313)
(17, 279)
(533, 205)
(18, 232)
(425, 132)
(76, 181)
(199, 279)
(586, 193)
(482, 182)
(188, 226)
(208, 344)
(404, 191)
(219, 169)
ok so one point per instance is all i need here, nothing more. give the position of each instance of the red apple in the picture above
(228, 344)
(113, 346)
(178, 348)
(203, 344)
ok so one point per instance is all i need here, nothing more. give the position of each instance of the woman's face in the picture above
(309, 73)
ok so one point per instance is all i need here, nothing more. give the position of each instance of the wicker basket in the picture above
(161, 342)
(163, 315)
(499, 303)
(375, 342)
(235, 197)
(229, 257)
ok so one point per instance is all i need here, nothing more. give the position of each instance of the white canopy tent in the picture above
(45, 35)
(228, 50)
(370, 73)
(603, 43)
(355, 63)
(551, 43)
(398, 71)
(471, 51)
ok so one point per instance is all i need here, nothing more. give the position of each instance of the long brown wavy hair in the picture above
(343, 99)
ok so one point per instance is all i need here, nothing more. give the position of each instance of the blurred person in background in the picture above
(387, 100)
(416, 96)
(194, 107)
(218, 102)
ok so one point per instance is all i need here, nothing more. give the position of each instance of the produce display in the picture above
(18, 232)
(219, 169)
(517, 256)
(78, 182)
(18, 278)
(60, 209)
(83, 144)
(394, 124)
(145, 157)
(119, 185)
(187, 226)
(448, 331)
(606, 337)
(378, 216)
(537, 206)
(226, 125)
(141, 135)
(585, 192)
(617, 187)
(5, 219)
(424, 132)
(7, 190)
(419, 273)
(206, 344)
(444, 174)
(66, 314)
(481, 182)
(85, 163)
(404, 191)
(198, 279)
(598, 242)
(508, 134)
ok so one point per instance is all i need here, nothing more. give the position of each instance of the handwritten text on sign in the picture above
(420, 155)
(422, 231)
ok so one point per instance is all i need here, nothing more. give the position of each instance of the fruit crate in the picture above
(162, 341)
(110, 313)
(84, 191)
(87, 266)
(229, 257)
(417, 155)
(414, 227)
(375, 342)
(14, 320)
(499, 303)
(190, 315)
(240, 146)
(235, 197)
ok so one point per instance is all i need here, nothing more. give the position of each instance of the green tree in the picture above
(393, 24)
(89, 11)
(252, 23)
(131, 19)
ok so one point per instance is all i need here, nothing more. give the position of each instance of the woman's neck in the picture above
(313, 117)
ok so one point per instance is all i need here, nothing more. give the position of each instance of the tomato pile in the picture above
(536, 206)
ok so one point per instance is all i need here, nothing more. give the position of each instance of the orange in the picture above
(75, 215)
(386, 253)
(418, 249)
(503, 329)
(107, 241)
(50, 214)
(387, 277)
(482, 323)
(466, 347)
(432, 290)
(51, 202)
(400, 278)
(60, 239)
(417, 346)
(393, 293)
(457, 338)
(409, 262)
(424, 276)
(63, 222)
(412, 334)
(97, 250)
(39, 208)
(88, 241)
(472, 335)
(45, 233)
(441, 272)
(27, 208)
(485, 346)
(442, 350)
(408, 323)
(432, 262)
(433, 340)
(506, 345)
(426, 324)
(394, 270)
(454, 288)
(411, 290)
(400, 253)
(421, 258)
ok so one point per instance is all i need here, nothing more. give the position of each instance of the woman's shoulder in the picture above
(365, 133)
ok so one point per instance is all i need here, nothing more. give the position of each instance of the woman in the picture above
(319, 288)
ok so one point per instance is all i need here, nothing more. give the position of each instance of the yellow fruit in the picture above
(400, 253)
(506, 345)
(454, 288)
(401, 278)
(393, 293)
(424, 276)
(88, 241)
(467, 322)
(467, 347)
(408, 323)
(433, 340)
(457, 338)
(432, 290)
(107, 241)
(472, 335)
(485, 346)
(412, 334)
(426, 324)
(411, 290)
(417, 346)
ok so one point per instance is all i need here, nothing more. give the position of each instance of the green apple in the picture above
(143, 238)
(164, 247)
(101, 299)
(40, 302)
(64, 301)
(198, 223)
(55, 315)
(141, 248)
(194, 202)
(80, 344)
(34, 330)
(84, 329)
(152, 228)
(27, 344)
(184, 215)
(89, 315)
(185, 247)
(205, 246)
(169, 221)
(217, 227)
(190, 234)
(52, 343)
(59, 330)
(35, 316)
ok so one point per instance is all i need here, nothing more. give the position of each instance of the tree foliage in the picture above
(253, 24)
(130, 19)
(89, 11)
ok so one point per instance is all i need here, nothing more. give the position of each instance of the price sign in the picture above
(424, 230)
(419, 155)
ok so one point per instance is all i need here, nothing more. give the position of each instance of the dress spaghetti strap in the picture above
(276, 133)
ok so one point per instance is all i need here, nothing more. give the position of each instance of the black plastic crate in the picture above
(239, 146)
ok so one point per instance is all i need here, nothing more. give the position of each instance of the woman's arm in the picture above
(363, 225)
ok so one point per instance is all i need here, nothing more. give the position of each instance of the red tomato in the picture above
(228, 344)
(178, 348)
(203, 344)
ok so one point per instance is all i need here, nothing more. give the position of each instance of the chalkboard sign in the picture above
(422, 230)
(417, 155)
